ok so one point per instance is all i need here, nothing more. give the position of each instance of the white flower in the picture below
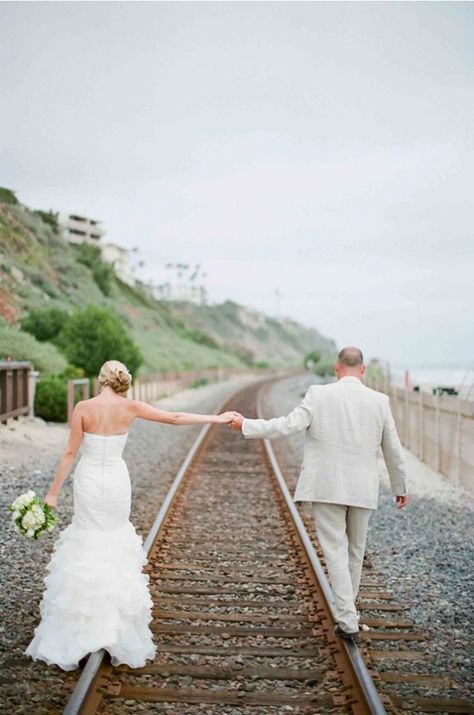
(30, 533)
(30, 520)
(23, 500)
(38, 513)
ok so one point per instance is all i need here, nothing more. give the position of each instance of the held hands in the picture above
(237, 421)
(227, 417)
(232, 418)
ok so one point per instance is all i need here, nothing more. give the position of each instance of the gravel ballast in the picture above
(423, 553)
(30, 450)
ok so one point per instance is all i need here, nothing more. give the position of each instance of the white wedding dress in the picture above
(96, 592)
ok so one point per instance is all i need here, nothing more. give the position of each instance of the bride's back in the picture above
(106, 414)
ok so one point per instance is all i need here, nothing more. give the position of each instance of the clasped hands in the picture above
(233, 419)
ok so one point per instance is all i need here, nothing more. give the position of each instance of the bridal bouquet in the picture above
(31, 516)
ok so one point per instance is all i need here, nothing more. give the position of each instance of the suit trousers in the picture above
(342, 534)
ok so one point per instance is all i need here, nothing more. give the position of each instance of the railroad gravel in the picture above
(424, 554)
(30, 450)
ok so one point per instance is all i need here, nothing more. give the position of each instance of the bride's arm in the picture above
(147, 412)
(68, 457)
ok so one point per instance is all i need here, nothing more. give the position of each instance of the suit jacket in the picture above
(346, 423)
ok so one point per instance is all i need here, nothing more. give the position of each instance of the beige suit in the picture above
(345, 423)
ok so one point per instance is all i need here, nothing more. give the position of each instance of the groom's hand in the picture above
(237, 421)
(402, 500)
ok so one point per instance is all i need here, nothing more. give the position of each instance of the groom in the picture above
(346, 423)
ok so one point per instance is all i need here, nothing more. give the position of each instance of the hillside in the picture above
(38, 269)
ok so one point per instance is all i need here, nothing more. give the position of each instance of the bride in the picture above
(96, 593)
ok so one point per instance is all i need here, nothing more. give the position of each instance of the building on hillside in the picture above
(80, 229)
(119, 258)
(181, 292)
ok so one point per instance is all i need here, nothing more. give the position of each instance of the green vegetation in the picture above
(311, 358)
(45, 324)
(91, 256)
(320, 364)
(200, 382)
(7, 196)
(18, 345)
(49, 217)
(325, 366)
(51, 394)
(40, 271)
(94, 335)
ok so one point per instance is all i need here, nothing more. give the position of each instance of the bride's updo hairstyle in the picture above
(114, 374)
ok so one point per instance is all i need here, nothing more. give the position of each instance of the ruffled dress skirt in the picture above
(96, 592)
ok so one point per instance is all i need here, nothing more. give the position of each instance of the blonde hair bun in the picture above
(114, 374)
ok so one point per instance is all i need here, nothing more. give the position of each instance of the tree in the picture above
(94, 335)
(45, 324)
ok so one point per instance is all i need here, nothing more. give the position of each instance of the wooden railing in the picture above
(14, 389)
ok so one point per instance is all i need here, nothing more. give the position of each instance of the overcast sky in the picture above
(322, 149)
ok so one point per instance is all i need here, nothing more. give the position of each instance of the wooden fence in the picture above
(14, 389)
(439, 429)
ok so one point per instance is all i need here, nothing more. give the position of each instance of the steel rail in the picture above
(95, 659)
(364, 679)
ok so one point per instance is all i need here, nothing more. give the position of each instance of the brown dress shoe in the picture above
(345, 634)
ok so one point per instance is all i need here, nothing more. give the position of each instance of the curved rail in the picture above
(361, 673)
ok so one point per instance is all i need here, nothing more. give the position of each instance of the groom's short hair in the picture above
(350, 357)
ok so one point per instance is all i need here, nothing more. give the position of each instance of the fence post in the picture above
(15, 387)
(32, 381)
(437, 434)
(458, 479)
(421, 427)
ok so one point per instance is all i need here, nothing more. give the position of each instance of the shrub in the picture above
(8, 196)
(45, 324)
(51, 394)
(200, 382)
(94, 335)
(51, 399)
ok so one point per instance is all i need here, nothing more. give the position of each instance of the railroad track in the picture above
(242, 615)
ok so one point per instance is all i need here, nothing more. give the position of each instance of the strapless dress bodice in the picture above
(101, 448)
